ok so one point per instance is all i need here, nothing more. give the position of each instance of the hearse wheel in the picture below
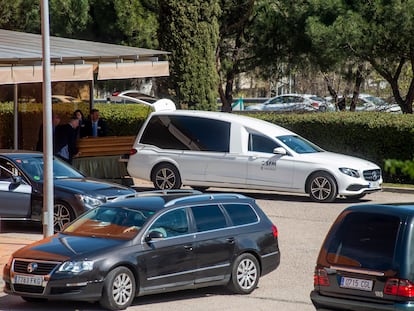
(166, 176)
(322, 187)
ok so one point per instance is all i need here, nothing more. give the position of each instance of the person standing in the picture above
(66, 140)
(55, 123)
(80, 132)
(95, 126)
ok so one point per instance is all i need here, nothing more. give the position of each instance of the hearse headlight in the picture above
(76, 266)
(349, 171)
(90, 201)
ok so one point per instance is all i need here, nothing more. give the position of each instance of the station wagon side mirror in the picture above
(280, 151)
(15, 182)
(154, 236)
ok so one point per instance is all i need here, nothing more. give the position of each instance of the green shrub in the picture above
(386, 139)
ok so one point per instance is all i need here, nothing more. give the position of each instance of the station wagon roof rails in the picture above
(205, 197)
(168, 192)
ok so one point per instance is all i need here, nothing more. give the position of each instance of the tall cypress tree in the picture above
(189, 29)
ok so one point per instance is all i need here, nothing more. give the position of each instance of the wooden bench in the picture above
(105, 146)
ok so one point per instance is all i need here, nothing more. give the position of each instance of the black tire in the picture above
(62, 215)
(322, 187)
(119, 289)
(166, 176)
(245, 274)
(33, 299)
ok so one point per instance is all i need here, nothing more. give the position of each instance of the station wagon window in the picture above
(241, 214)
(259, 143)
(364, 240)
(187, 133)
(172, 223)
(208, 217)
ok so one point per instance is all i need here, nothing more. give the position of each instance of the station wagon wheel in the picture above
(119, 289)
(245, 274)
(322, 187)
(62, 215)
(166, 176)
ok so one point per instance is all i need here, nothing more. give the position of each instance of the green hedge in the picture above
(377, 137)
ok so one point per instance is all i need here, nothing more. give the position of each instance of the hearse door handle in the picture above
(188, 247)
(230, 240)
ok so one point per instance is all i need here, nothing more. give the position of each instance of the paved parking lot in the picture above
(302, 227)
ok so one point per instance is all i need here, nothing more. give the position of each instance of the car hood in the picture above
(327, 158)
(61, 247)
(92, 186)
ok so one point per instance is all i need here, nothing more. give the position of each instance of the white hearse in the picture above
(205, 149)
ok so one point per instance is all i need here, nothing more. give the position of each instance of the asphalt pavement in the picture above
(14, 235)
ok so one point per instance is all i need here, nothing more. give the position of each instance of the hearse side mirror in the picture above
(279, 150)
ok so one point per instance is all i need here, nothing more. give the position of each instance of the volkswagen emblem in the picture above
(31, 267)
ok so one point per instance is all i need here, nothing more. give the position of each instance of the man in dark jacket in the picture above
(95, 126)
(55, 123)
(66, 140)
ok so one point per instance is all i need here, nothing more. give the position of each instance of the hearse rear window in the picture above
(364, 240)
(187, 133)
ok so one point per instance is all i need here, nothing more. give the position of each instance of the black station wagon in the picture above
(149, 244)
(367, 260)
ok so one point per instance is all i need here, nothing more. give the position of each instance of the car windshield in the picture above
(110, 222)
(299, 144)
(33, 168)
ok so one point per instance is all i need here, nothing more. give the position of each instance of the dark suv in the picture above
(367, 260)
(149, 244)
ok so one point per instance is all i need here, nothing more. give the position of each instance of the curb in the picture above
(398, 190)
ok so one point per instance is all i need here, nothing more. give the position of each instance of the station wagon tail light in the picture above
(398, 287)
(133, 151)
(275, 232)
(320, 277)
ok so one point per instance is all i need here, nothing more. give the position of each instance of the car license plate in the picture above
(353, 283)
(28, 280)
(374, 184)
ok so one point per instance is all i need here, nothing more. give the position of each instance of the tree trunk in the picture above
(358, 81)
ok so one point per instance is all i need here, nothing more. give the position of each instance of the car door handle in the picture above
(230, 240)
(188, 247)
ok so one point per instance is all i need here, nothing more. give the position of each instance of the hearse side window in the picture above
(261, 143)
(364, 240)
(208, 217)
(187, 133)
(241, 214)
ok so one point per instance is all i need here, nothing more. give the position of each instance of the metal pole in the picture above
(47, 125)
(16, 118)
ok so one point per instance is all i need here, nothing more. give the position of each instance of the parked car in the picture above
(131, 96)
(65, 99)
(135, 97)
(368, 102)
(173, 148)
(146, 245)
(291, 102)
(366, 260)
(21, 189)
